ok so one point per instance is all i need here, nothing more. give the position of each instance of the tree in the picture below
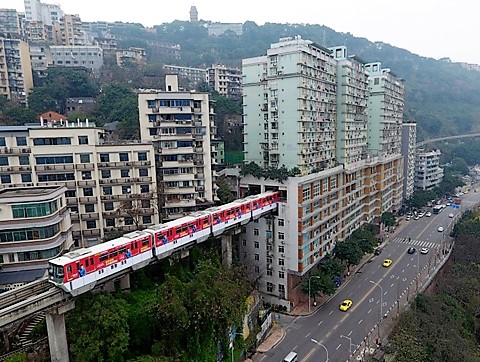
(224, 193)
(97, 328)
(320, 283)
(18, 116)
(349, 251)
(388, 219)
(331, 266)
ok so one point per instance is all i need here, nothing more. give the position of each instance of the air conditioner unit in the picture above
(283, 268)
(283, 255)
(283, 241)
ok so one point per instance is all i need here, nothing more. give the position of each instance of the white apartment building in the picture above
(35, 226)
(180, 126)
(87, 56)
(10, 25)
(111, 186)
(306, 106)
(428, 173)
(195, 75)
(409, 140)
(16, 79)
(226, 81)
(35, 10)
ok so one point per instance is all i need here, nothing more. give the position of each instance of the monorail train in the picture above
(80, 270)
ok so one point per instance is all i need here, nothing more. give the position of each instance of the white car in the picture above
(423, 251)
(450, 216)
(428, 214)
(440, 228)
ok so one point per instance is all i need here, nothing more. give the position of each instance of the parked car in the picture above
(423, 251)
(428, 214)
(450, 215)
(440, 228)
(378, 251)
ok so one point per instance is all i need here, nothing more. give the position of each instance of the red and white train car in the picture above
(179, 233)
(79, 271)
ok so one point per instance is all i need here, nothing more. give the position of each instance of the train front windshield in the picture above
(55, 272)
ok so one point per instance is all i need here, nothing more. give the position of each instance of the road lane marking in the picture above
(338, 346)
(349, 333)
(369, 311)
(308, 334)
(308, 355)
(320, 323)
(403, 270)
(360, 321)
(392, 285)
(331, 312)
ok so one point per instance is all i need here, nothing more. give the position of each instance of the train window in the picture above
(78, 265)
(103, 257)
(144, 242)
(59, 271)
(91, 261)
(122, 250)
(87, 263)
(69, 269)
(113, 254)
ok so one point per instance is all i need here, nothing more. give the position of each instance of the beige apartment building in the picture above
(16, 78)
(35, 226)
(309, 107)
(180, 126)
(226, 81)
(111, 186)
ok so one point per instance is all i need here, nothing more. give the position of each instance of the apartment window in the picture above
(143, 172)
(83, 140)
(3, 161)
(5, 179)
(21, 141)
(90, 208)
(281, 261)
(110, 222)
(125, 173)
(257, 257)
(128, 221)
(144, 189)
(256, 244)
(281, 275)
(152, 131)
(281, 236)
(2, 141)
(147, 219)
(281, 249)
(106, 173)
(257, 269)
(269, 287)
(281, 222)
(23, 160)
(91, 224)
(71, 193)
(306, 192)
(255, 232)
(104, 157)
(269, 272)
(123, 156)
(142, 156)
(244, 242)
(324, 186)
(126, 189)
(26, 177)
(150, 103)
(107, 190)
(333, 182)
(281, 288)
(316, 189)
(88, 191)
(85, 158)
(86, 175)
(108, 206)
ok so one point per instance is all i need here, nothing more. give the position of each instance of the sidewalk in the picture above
(277, 332)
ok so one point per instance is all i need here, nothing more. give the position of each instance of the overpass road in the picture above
(375, 291)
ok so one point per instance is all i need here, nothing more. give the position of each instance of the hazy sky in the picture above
(431, 28)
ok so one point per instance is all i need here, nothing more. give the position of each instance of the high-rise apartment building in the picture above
(409, 140)
(428, 173)
(16, 78)
(35, 226)
(308, 107)
(180, 126)
(111, 186)
(10, 25)
(194, 75)
(69, 31)
(35, 10)
(87, 56)
(226, 81)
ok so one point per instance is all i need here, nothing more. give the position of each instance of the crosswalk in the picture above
(419, 243)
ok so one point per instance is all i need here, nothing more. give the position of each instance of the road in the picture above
(375, 290)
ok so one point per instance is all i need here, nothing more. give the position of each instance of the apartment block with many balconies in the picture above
(428, 173)
(16, 79)
(111, 186)
(409, 140)
(35, 226)
(226, 81)
(307, 106)
(180, 126)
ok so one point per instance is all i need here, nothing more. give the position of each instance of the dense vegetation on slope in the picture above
(441, 96)
(445, 326)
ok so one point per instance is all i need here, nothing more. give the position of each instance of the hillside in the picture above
(442, 97)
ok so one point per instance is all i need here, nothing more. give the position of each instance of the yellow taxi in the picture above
(387, 262)
(346, 304)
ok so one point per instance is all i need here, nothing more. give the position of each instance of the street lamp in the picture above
(381, 298)
(317, 342)
(312, 276)
(350, 347)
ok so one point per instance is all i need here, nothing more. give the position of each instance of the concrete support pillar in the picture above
(6, 341)
(109, 286)
(57, 335)
(227, 250)
(125, 282)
